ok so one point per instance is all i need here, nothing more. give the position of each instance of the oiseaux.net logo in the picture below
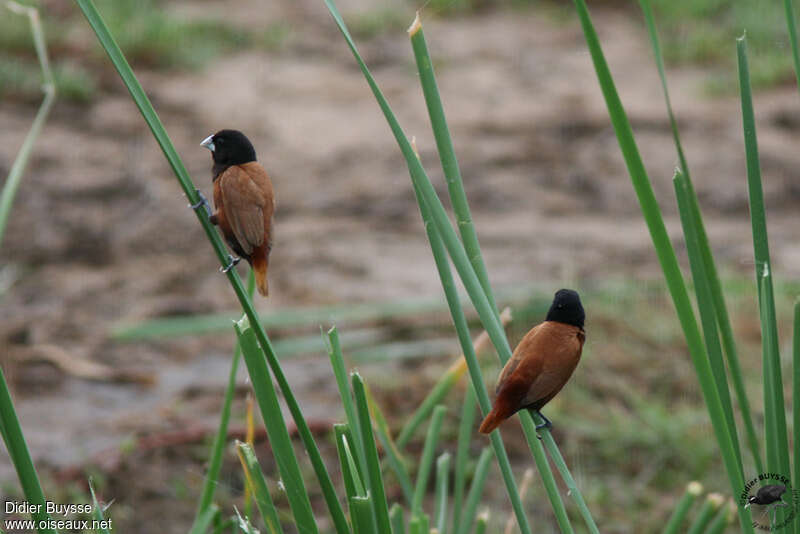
(772, 501)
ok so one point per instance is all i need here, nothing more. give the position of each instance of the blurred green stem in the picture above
(49, 89)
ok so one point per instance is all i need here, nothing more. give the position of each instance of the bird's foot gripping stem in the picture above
(547, 424)
(202, 203)
(232, 262)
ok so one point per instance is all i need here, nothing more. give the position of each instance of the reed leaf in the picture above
(97, 511)
(258, 487)
(666, 256)
(710, 268)
(362, 516)
(148, 113)
(374, 477)
(276, 428)
(706, 513)
(447, 156)
(775, 415)
(705, 306)
(398, 521)
(350, 474)
(21, 458)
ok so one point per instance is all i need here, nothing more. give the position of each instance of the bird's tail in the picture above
(505, 405)
(260, 263)
(492, 420)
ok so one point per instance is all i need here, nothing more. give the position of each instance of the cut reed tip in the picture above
(415, 26)
(694, 488)
(715, 499)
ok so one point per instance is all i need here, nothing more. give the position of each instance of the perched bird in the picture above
(244, 201)
(542, 362)
(768, 495)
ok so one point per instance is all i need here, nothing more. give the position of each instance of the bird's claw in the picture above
(232, 262)
(202, 203)
(547, 424)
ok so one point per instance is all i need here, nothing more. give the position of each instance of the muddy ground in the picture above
(101, 235)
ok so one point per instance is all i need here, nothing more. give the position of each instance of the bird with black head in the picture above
(542, 362)
(244, 201)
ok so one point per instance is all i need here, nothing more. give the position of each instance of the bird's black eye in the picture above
(220, 141)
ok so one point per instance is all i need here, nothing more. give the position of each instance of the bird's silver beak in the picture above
(208, 142)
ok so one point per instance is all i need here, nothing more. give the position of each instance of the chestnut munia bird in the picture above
(542, 362)
(244, 201)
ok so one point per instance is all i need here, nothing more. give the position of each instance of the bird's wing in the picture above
(559, 350)
(520, 352)
(243, 202)
(259, 177)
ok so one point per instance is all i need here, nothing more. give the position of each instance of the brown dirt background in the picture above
(100, 232)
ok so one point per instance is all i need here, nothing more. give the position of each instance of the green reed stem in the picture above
(160, 134)
(693, 490)
(14, 177)
(447, 156)
(258, 487)
(720, 309)
(775, 430)
(374, 478)
(666, 255)
(276, 429)
(21, 458)
(705, 306)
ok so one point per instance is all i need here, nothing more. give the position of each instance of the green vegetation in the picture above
(701, 31)
(152, 35)
(646, 407)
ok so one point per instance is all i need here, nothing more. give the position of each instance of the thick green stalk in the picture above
(705, 306)
(693, 490)
(374, 478)
(258, 487)
(706, 513)
(276, 429)
(49, 88)
(721, 310)
(340, 373)
(666, 255)
(361, 514)
(390, 449)
(773, 382)
(397, 519)
(21, 458)
(426, 461)
(447, 156)
(160, 134)
(350, 474)
(486, 311)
